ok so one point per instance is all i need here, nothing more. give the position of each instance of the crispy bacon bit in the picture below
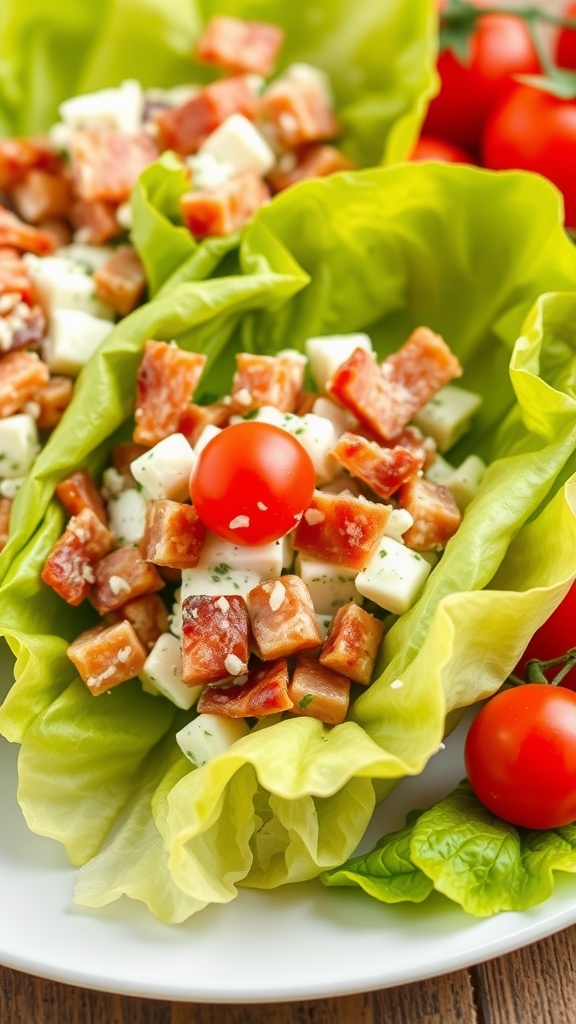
(299, 111)
(265, 692)
(22, 374)
(106, 164)
(107, 655)
(40, 196)
(148, 615)
(281, 627)
(14, 276)
(410, 437)
(121, 576)
(96, 221)
(14, 232)
(310, 162)
(69, 568)
(318, 692)
(238, 45)
(79, 491)
(196, 417)
(341, 528)
(53, 400)
(185, 128)
(215, 635)
(223, 210)
(123, 455)
(267, 380)
(352, 644)
(5, 510)
(173, 535)
(434, 511)
(383, 469)
(167, 379)
(121, 281)
(18, 156)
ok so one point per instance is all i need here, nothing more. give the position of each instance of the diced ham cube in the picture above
(40, 196)
(265, 692)
(434, 511)
(196, 417)
(313, 161)
(14, 232)
(5, 510)
(410, 437)
(341, 528)
(79, 491)
(282, 617)
(267, 380)
(148, 615)
(352, 644)
(69, 568)
(299, 110)
(18, 156)
(423, 365)
(123, 455)
(53, 400)
(96, 221)
(238, 45)
(224, 209)
(121, 281)
(185, 128)
(173, 535)
(167, 379)
(215, 638)
(106, 164)
(318, 692)
(107, 655)
(121, 576)
(383, 469)
(22, 374)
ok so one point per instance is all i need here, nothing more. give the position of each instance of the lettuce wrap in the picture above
(464, 251)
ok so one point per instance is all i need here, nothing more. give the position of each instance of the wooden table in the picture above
(535, 985)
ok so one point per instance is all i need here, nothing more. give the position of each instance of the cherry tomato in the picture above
(555, 636)
(430, 148)
(252, 482)
(565, 48)
(520, 755)
(500, 48)
(533, 131)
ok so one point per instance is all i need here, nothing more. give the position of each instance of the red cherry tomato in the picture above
(520, 755)
(555, 636)
(252, 482)
(500, 48)
(430, 148)
(565, 48)
(533, 131)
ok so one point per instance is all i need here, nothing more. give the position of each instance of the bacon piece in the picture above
(267, 380)
(173, 535)
(383, 469)
(22, 326)
(313, 161)
(410, 437)
(434, 511)
(107, 655)
(5, 510)
(18, 156)
(265, 692)
(341, 528)
(167, 379)
(106, 164)
(353, 642)
(96, 221)
(121, 281)
(58, 229)
(53, 400)
(196, 417)
(39, 196)
(221, 211)
(15, 233)
(21, 376)
(238, 45)
(299, 110)
(215, 635)
(69, 568)
(282, 617)
(147, 614)
(14, 276)
(185, 128)
(123, 455)
(79, 491)
(318, 692)
(121, 576)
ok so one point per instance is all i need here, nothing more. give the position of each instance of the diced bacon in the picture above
(434, 511)
(299, 111)
(306, 401)
(267, 380)
(282, 617)
(173, 535)
(53, 400)
(14, 232)
(318, 692)
(265, 692)
(22, 326)
(313, 161)
(352, 644)
(58, 228)
(5, 511)
(215, 638)
(69, 568)
(39, 196)
(121, 576)
(21, 376)
(223, 210)
(14, 277)
(106, 164)
(18, 156)
(185, 128)
(196, 417)
(107, 655)
(167, 379)
(410, 437)
(96, 221)
(148, 615)
(79, 491)
(123, 455)
(238, 45)
(121, 280)
(383, 469)
(341, 528)
(422, 365)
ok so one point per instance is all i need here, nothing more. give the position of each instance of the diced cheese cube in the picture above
(127, 514)
(439, 471)
(330, 585)
(89, 257)
(302, 72)
(175, 618)
(9, 488)
(327, 352)
(18, 445)
(119, 108)
(164, 471)
(208, 171)
(219, 579)
(446, 417)
(394, 576)
(205, 435)
(64, 283)
(239, 143)
(341, 418)
(113, 482)
(162, 673)
(465, 481)
(209, 735)
(400, 520)
(73, 337)
(264, 560)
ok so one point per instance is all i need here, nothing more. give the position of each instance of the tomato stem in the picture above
(534, 671)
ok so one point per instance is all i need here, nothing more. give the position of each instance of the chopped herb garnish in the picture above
(305, 700)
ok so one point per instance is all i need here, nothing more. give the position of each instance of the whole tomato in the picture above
(500, 48)
(565, 47)
(430, 148)
(532, 130)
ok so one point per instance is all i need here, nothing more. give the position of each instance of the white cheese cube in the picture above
(219, 579)
(175, 618)
(113, 482)
(238, 142)
(439, 471)
(162, 673)
(341, 418)
(265, 414)
(394, 576)
(207, 171)
(302, 72)
(164, 471)
(330, 585)
(72, 338)
(127, 515)
(10, 488)
(118, 108)
(464, 482)
(264, 560)
(65, 283)
(209, 735)
(446, 417)
(399, 521)
(327, 352)
(88, 257)
(205, 435)
(18, 445)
